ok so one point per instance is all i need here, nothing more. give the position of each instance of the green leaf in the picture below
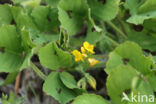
(104, 10)
(93, 36)
(68, 80)
(26, 40)
(72, 16)
(13, 57)
(150, 25)
(40, 15)
(5, 14)
(89, 99)
(42, 38)
(53, 16)
(141, 10)
(152, 78)
(52, 3)
(27, 3)
(129, 81)
(54, 87)
(145, 39)
(22, 19)
(54, 58)
(129, 53)
(139, 19)
(149, 5)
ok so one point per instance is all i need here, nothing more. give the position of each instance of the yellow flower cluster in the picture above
(86, 48)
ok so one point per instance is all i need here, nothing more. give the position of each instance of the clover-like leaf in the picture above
(140, 10)
(145, 39)
(54, 58)
(12, 51)
(72, 14)
(129, 53)
(104, 10)
(41, 18)
(54, 87)
(124, 79)
(22, 19)
(68, 80)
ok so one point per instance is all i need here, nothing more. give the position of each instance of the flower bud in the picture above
(91, 80)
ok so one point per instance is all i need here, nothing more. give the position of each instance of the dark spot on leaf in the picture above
(61, 70)
(44, 43)
(69, 13)
(30, 47)
(127, 91)
(151, 67)
(55, 52)
(23, 54)
(127, 14)
(138, 28)
(148, 15)
(59, 90)
(12, 22)
(155, 94)
(2, 49)
(93, 29)
(48, 18)
(102, 1)
(125, 61)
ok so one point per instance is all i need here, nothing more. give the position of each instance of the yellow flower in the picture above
(93, 61)
(83, 52)
(78, 55)
(88, 47)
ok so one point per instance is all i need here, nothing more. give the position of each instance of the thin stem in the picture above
(107, 37)
(116, 29)
(17, 83)
(121, 24)
(34, 93)
(38, 71)
(111, 40)
(102, 55)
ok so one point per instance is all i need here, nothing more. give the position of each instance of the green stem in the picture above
(111, 40)
(121, 24)
(101, 55)
(38, 71)
(116, 29)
